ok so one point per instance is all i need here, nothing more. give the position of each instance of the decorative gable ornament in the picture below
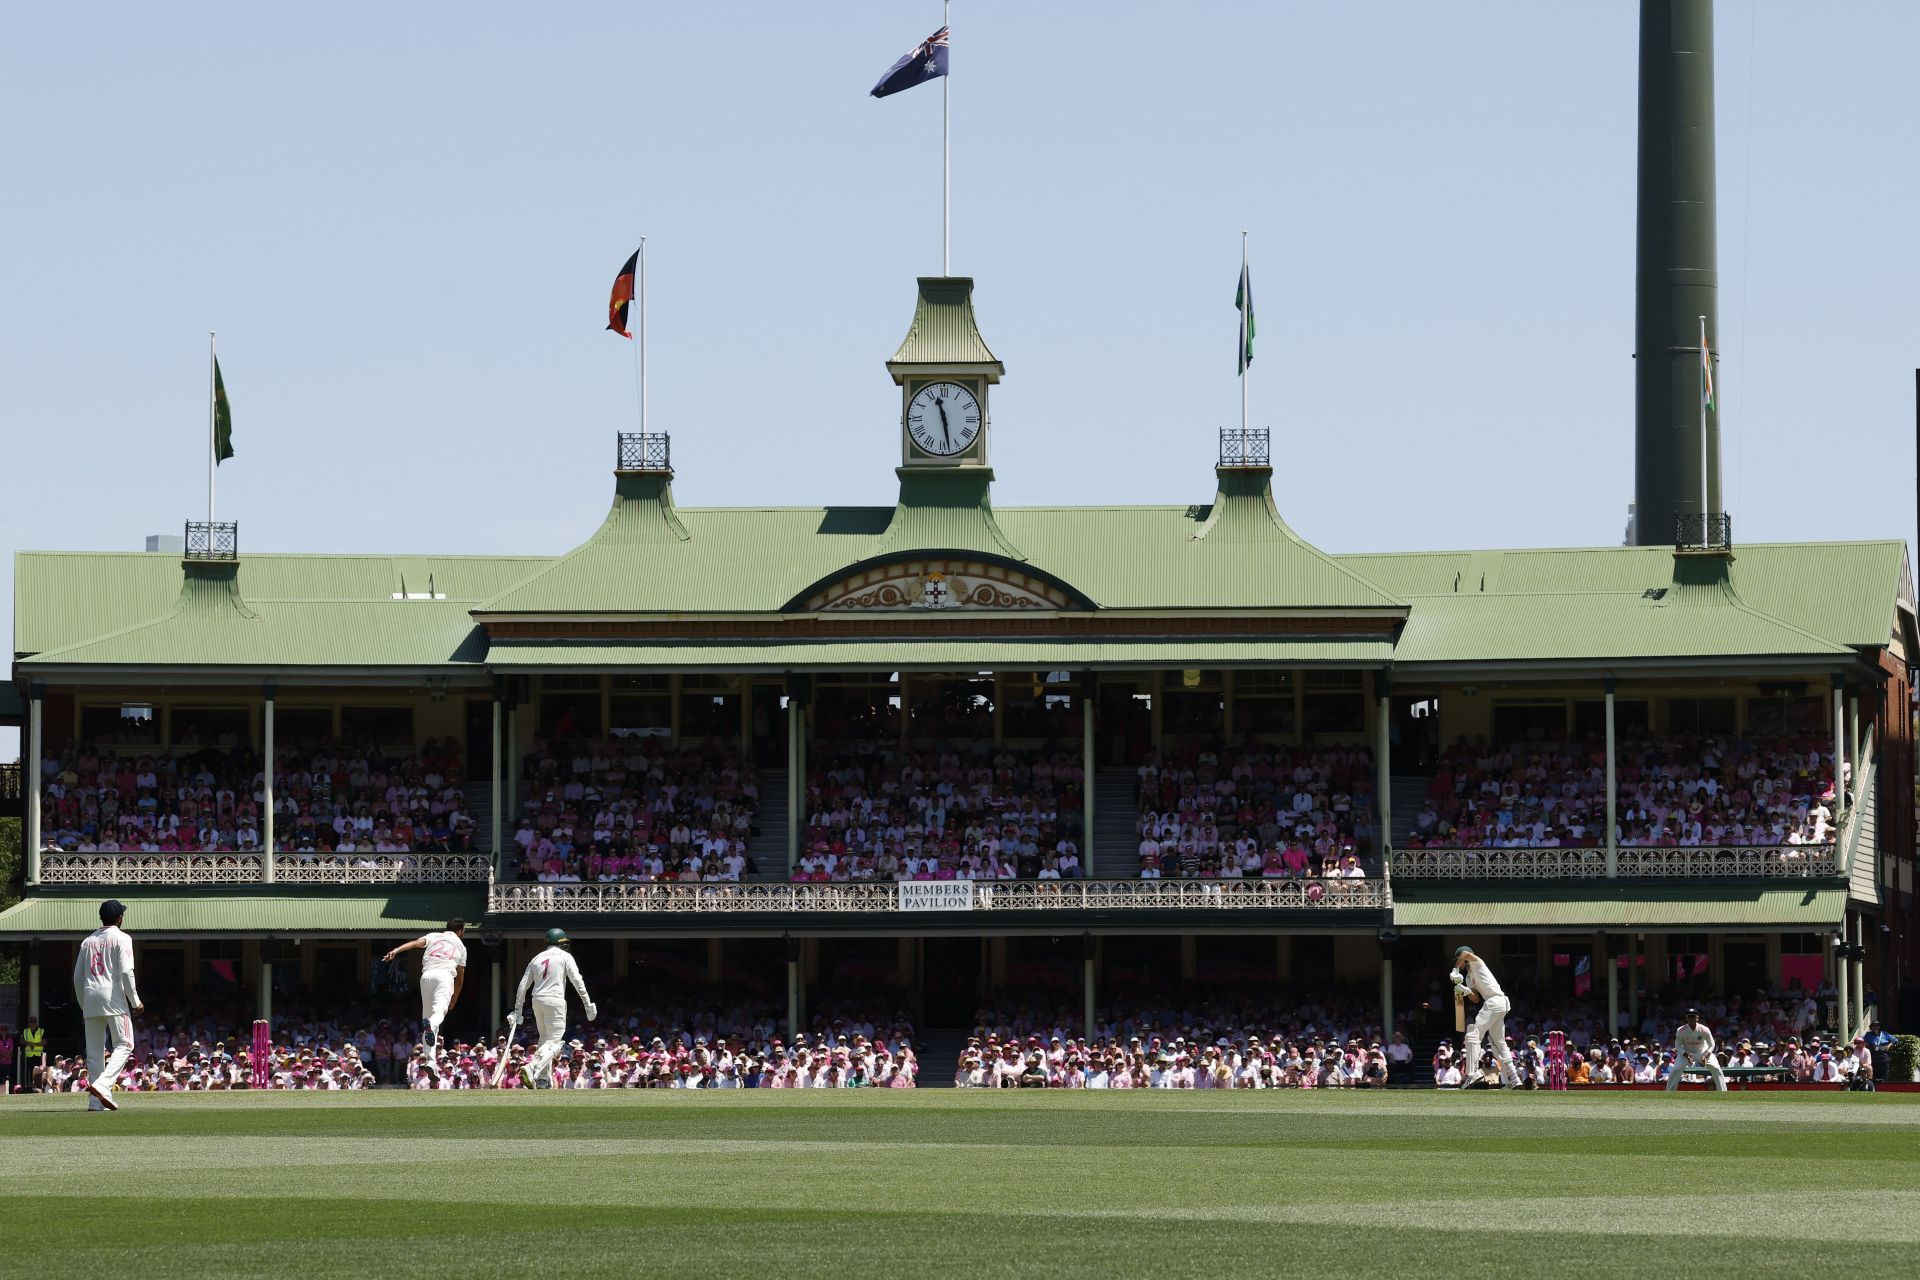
(910, 585)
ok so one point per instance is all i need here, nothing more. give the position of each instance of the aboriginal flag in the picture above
(622, 297)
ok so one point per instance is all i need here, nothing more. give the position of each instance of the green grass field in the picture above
(898, 1184)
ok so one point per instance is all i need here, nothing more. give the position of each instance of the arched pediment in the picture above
(930, 581)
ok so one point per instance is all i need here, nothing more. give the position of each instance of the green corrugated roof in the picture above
(1807, 601)
(1684, 623)
(213, 911)
(944, 331)
(962, 654)
(1587, 904)
(1843, 592)
(322, 634)
(1232, 553)
(62, 598)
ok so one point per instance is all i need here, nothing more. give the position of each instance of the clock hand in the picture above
(945, 435)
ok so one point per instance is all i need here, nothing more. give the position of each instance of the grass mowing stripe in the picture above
(389, 1235)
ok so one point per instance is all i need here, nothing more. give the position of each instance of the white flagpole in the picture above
(946, 146)
(1705, 367)
(213, 406)
(642, 350)
(1246, 366)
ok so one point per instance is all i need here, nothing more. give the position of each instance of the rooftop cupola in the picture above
(210, 572)
(642, 491)
(1243, 508)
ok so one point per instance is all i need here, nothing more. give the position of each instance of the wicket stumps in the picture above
(1556, 1060)
(261, 1060)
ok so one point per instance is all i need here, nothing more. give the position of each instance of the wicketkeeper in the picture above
(546, 978)
(1693, 1046)
(1472, 980)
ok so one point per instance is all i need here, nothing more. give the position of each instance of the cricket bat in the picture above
(1459, 1012)
(506, 1050)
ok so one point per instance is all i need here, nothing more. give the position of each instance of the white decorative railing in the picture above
(151, 868)
(1020, 895)
(1793, 861)
(383, 868)
(250, 868)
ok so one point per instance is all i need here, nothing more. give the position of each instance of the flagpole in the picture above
(640, 352)
(946, 146)
(213, 409)
(1705, 358)
(1246, 365)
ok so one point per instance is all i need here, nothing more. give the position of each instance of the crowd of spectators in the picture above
(735, 1062)
(634, 810)
(973, 812)
(327, 800)
(1257, 814)
(691, 1044)
(1722, 791)
(1227, 1037)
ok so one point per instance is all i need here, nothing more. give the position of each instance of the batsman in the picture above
(1472, 980)
(546, 978)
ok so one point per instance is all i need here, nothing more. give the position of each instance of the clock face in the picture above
(943, 418)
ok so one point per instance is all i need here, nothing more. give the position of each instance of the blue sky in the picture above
(403, 220)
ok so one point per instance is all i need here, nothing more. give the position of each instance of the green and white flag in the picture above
(222, 419)
(1243, 301)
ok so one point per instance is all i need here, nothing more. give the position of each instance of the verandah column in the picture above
(267, 822)
(1382, 769)
(499, 784)
(512, 762)
(1859, 975)
(1839, 744)
(1088, 769)
(1386, 991)
(493, 994)
(1842, 968)
(1613, 800)
(35, 713)
(1087, 966)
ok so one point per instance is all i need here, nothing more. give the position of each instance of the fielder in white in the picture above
(1474, 981)
(443, 971)
(1693, 1045)
(546, 979)
(103, 984)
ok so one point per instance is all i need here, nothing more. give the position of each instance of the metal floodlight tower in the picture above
(1676, 276)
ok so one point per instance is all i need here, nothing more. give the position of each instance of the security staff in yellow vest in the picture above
(33, 1048)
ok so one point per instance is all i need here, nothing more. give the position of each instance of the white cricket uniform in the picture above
(1489, 1025)
(103, 985)
(442, 956)
(546, 981)
(1694, 1045)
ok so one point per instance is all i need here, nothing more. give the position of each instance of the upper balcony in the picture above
(911, 898)
(247, 868)
(1786, 862)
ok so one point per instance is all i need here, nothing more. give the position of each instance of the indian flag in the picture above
(1706, 368)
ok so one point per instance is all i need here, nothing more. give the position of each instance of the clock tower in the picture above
(944, 369)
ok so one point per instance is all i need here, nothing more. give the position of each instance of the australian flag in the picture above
(922, 62)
